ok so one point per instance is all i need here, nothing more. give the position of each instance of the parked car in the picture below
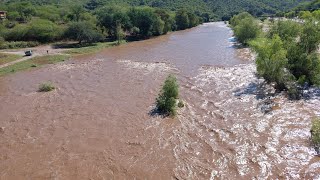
(28, 53)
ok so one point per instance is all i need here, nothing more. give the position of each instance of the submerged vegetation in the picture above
(315, 133)
(167, 101)
(287, 53)
(46, 87)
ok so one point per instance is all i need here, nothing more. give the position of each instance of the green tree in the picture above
(144, 19)
(83, 31)
(193, 20)
(287, 30)
(43, 31)
(166, 102)
(18, 33)
(168, 20)
(109, 17)
(25, 10)
(316, 14)
(310, 36)
(271, 60)
(158, 27)
(76, 12)
(93, 4)
(305, 15)
(246, 30)
(182, 19)
(305, 67)
(237, 19)
(119, 33)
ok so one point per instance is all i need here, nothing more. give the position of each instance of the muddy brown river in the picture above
(97, 123)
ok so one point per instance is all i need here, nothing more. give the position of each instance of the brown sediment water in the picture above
(97, 124)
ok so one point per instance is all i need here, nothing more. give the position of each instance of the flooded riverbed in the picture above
(97, 123)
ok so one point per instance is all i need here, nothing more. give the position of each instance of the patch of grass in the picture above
(6, 58)
(90, 48)
(315, 133)
(32, 63)
(46, 87)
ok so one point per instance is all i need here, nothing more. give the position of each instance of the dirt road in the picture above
(37, 51)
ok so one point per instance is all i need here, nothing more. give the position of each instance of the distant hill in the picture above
(308, 6)
(223, 9)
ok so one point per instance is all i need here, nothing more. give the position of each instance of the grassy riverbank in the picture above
(38, 61)
(74, 50)
(6, 58)
(35, 62)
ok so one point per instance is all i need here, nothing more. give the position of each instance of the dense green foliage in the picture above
(54, 20)
(207, 9)
(271, 60)
(287, 54)
(83, 31)
(37, 30)
(308, 6)
(245, 27)
(304, 10)
(88, 21)
(167, 100)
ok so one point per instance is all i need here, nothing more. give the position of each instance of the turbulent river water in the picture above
(98, 123)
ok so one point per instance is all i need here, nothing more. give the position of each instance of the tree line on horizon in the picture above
(33, 24)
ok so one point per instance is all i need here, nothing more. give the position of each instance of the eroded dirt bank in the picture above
(96, 124)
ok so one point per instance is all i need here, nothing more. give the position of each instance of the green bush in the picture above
(247, 29)
(43, 31)
(236, 20)
(18, 44)
(287, 30)
(18, 33)
(186, 19)
(166, 102)
(303, 58)
(83, 31)
(315, 133)
(46, 87)
(271, 60)
(37, 30)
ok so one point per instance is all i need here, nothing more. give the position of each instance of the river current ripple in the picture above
(98, 123)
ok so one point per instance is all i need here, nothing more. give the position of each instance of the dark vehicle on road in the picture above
(28, 53)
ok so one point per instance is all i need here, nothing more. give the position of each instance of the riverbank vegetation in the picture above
(32, 23)
(35, 62)
(287, 52)
(46, 87)
(303, 10)
(6, 58)
(315, 134)
(78, 49)
(29, 23)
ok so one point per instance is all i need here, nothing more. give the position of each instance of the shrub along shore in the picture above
(287, 54)
(287, 51)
